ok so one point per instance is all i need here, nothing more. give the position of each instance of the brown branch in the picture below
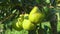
(6, 18)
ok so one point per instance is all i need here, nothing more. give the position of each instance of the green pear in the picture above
(36, 15)
(16, 26)
(35, 10)
(36, 18)
(27, 25)
(20, 22)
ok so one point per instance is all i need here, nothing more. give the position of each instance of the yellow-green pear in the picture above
(20, 22)
(16, 26)
(36, 18)
(27, 25)
(36, 15)
(35, 10)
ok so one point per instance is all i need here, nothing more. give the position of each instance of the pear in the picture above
(16, 25)
(35, 10)
(27, 25)
(36, 15)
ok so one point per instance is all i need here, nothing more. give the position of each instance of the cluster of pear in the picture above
(29, 21)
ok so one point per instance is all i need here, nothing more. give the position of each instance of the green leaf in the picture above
(14, 11)
(47, 1)
(38, 1)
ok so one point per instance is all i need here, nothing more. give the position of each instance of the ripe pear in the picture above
(27, 25)
(36, 15)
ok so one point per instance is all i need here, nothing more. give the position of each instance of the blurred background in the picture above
(7, 14)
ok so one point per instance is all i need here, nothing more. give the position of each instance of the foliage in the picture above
(8, 13)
